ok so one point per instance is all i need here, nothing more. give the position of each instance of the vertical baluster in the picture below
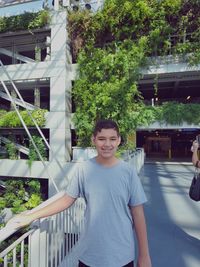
(62, 237)
(58, 237)
(52, 242)
(51, 234)
(55, 241)
(22, 253)
(74, 219)
(47, 242)
(29, 251)
(5, 261)
(66, 229)
(70, 235)
(14, 257)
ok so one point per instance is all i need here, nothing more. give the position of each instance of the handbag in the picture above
(194, 191)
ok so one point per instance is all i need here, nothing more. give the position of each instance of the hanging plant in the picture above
(11, 149)
(33, 156)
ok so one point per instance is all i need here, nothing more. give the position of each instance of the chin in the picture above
(107, 155)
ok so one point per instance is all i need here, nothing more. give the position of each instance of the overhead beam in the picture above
(171, 77)
(15, 55)
(18, 102)
(40, 70)
(19, 147)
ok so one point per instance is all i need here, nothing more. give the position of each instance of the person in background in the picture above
(195, 157)
(114, 200)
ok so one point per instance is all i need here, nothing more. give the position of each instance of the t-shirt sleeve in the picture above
(137, 194)
(75, 187)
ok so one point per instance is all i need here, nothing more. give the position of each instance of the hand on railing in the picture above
(14, 224)
(21, 220)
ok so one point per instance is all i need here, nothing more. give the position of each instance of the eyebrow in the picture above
(101, 136)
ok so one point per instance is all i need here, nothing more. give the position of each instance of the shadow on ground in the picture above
(173, 220)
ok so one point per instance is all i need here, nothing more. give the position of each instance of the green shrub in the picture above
(11, 119)
(25, 21)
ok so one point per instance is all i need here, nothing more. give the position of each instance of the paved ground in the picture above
(173, 220)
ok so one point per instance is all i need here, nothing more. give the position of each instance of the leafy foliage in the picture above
(21, 194)
(11, 119)
(24, 21)
(33, 153)
(170, 26)
(112, 45)
(11, 149)
(170, 113)
(107, 88)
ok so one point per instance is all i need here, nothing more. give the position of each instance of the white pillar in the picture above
(60, 90)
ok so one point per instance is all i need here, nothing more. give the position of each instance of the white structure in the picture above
(51, 70)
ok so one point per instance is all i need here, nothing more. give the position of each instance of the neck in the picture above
(107, 161)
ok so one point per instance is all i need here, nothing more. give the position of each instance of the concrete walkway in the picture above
(173, 220)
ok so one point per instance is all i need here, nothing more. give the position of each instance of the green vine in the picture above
(107, 86)
(33, 156)
(170, 113)
(11, 149)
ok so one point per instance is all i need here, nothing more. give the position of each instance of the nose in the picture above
(107, 142)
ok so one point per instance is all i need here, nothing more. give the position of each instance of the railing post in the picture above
(44, 244)
(38, 244)
(34, 248)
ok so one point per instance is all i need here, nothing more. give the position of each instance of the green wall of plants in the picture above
(112, 45)
(26, 21)
(11, 119)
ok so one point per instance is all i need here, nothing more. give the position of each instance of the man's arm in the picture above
(195, 158)
(141, 233)
(52, 207)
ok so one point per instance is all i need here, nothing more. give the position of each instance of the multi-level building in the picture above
(176, 81)
(36, 71)
(37, 64)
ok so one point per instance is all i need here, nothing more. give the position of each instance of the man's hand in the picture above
(20, 221)
(144, 262)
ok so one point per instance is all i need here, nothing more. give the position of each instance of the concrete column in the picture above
(14, 95)
(38, 55)
(60, 90)
(37, 97)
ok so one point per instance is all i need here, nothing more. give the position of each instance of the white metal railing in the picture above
(51, 241)
(16, 253)
(135, 157)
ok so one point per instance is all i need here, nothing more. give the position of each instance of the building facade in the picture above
(177, 81)
(37, 72)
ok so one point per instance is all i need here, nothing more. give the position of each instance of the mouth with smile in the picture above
(105, 150)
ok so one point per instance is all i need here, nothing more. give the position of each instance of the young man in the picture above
(114, 198)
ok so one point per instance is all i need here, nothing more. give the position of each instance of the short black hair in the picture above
(105, 124)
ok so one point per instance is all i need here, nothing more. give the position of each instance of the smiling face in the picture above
(106, 142)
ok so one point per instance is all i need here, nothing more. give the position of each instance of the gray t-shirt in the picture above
(107, 239)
